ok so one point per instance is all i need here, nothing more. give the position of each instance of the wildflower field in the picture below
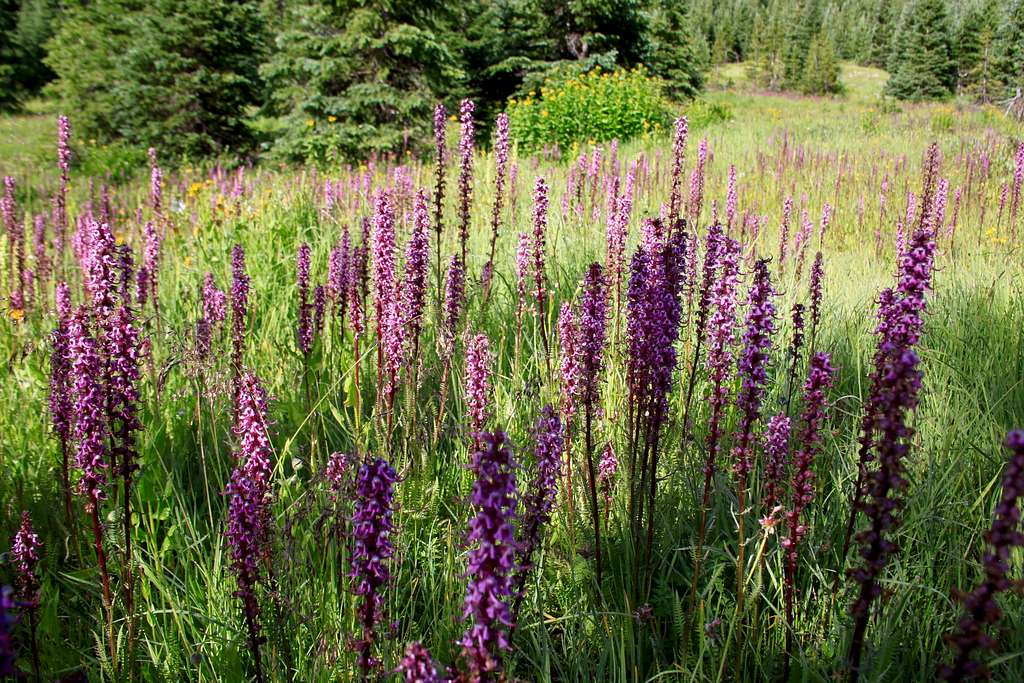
(730, 401)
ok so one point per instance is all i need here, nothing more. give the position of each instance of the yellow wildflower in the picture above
(310, 123)
(332, 118)
(17, 314)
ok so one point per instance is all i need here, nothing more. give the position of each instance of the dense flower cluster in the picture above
(817, 277)
(537, 248)
(492, 557)
(305, 327)
(980, 606)
(819, 380)
(249, 493)
(25, 552)
(720, 339)
(896, 383)
(569, 365)
(678, 150)
(149, 274)
(90, 402)
(592, 329)
(752, 365)
(122, 391)
(479, 360)
(417, 666)
(454, 298)
(61, 411)
(417, 258)
(466, 132)
(372, 550)
(239, 308)
(440, 154)
(539, 502)
(776, 450)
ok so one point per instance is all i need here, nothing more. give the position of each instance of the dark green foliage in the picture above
(976, 58)
(923, 58)
(361, 77)
(8, 54)
(25, 25)
(821, 69)
(669, 53)
(180, 76)
(1009, 49)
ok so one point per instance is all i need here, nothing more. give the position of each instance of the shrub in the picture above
(597, 105)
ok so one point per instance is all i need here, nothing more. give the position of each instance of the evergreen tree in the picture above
(37, 20)
(178, 76)
(976, 52)
(804, 25)
(821, 69)
(767, 48)
(357, 77)
(669, 52)
(9, 54)
(924, 67)
(1009, 49)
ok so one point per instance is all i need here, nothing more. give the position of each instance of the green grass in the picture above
(571, 628)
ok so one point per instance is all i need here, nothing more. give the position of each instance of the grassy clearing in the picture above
(571, 628)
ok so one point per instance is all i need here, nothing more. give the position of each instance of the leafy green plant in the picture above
(595, 106)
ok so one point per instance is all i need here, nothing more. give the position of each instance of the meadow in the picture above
(317, 412)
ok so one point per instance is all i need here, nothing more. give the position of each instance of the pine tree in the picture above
(805, 24)
(359, 77)
(821, 69)
(178, 76)
(768, 67)
(924, 67)
(10, 90)
(1009, 49)
(669, 52)
(976, 52)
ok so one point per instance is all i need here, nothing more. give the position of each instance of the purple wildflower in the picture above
(215, 301)
(479, 360)
(696, 199)
(980, 606)
(537, 248)
(757, 343)
(122, 345)
(417, 666)
(15, 245)
(678, 150)
(305, 326)
(730, 199)
(373, 525)
(569, 370)
(721, 337)
(592, 330)
(25, 552)
(523, 259)
(440, 152)
(492, 557)
(151, 263)
(787, 213)
(776, 449)
(338, 273)
(416, 264)
(454, 297)
(156, 179)
(90, 421)
(319, 309)
(501, 150)
(466, 109)
(817, 276)
(249, 499)
(539, 502)
(819, 380)
(886, 435)
(60, 210)
(239, 310)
